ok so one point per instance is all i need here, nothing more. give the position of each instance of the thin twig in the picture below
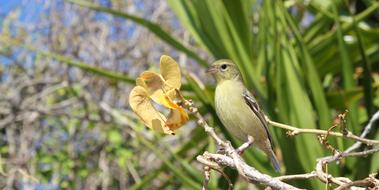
(215, 166)
(207, 177)
(362, 153)
(297, 176)
(374, 119)
(369, 181)
(296, 131)
(322, 162)
(323, 176)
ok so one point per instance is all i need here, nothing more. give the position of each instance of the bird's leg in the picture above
(244, 146)
(220, 150)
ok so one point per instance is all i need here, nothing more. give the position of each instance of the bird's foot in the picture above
(221, 150)
(244, 146)
(240, 152)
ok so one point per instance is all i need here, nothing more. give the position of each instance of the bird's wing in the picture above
(253, 104)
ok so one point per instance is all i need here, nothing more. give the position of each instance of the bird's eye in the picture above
(223, 67)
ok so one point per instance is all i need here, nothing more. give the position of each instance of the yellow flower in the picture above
(162, 89)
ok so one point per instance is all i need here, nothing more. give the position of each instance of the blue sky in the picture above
(29, 9)
(6, 5)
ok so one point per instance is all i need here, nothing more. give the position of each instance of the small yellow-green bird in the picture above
(238, 110)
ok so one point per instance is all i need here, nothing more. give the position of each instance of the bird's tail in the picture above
(274, 161)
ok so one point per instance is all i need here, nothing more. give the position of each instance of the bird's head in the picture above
(224, 69)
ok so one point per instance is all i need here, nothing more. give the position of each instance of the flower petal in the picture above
(166, 101)
(153, 84)
(139, 101)
(151, 81)
(177, 118)
(156, 87)
(170, 71)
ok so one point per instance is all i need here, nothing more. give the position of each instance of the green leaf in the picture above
(123, 155)
(214, 25)
(310, 73)
(347, 74)
(177, 171)
(115, 137)
(70, 61)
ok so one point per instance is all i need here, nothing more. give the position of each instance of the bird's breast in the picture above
(234, 113)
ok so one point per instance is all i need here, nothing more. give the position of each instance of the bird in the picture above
(238, 110)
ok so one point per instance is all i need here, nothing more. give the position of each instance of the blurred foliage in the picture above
(305, 61)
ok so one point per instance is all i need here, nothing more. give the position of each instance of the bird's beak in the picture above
(212, 70)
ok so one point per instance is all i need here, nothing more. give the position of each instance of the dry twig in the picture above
(295, 131)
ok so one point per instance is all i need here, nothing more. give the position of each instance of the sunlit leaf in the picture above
(177, 118)
(140, 103)
(170, 71)
(153, 84)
